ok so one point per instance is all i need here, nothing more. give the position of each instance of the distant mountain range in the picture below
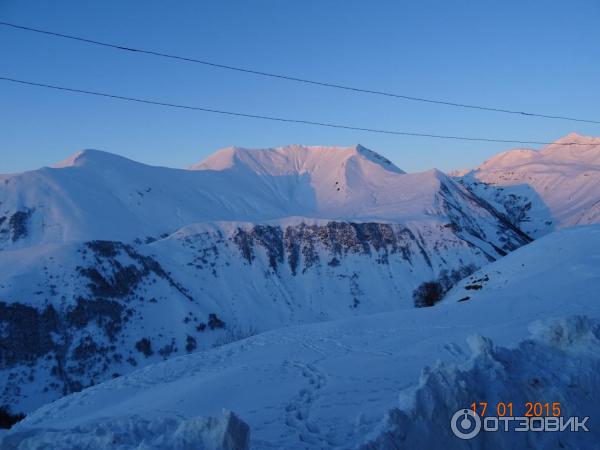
(540, 191)
(107, 265)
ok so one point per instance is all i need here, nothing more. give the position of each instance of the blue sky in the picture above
(539, 56)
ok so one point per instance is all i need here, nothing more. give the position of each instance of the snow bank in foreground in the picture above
(559, 363)
(134, 432)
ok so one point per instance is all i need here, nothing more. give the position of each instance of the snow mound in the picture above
(559, 363)
(168, 433)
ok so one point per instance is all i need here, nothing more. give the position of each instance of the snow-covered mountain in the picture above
(529, 332)
(108, 264)
(556, 187)
(97, 195)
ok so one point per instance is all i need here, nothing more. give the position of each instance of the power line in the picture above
(277, 119)
(296, 79)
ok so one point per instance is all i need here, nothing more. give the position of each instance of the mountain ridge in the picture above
(542, 190)
(299, 157)
(98, 195)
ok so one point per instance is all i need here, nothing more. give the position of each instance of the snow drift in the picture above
(559, 363)
(167, 433)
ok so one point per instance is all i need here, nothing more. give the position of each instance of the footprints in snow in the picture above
(298, 411)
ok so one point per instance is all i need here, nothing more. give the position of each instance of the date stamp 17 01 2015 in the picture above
(500, 417)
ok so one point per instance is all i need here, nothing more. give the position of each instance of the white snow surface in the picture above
(560, 361)
(352, 382)
(227, 432)
(319, 162)
(98, 195)
(560, 182)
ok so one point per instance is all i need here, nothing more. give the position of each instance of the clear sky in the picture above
(540, 56)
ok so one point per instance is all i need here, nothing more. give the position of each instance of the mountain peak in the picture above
(585, 149)
(510, 158)
(579, 139)
(91, 157)
(377, 159)
(292, 159)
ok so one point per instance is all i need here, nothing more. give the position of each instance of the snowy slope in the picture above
(196, 433)
(339, 182)
(563, 264)
(102, 308)
(355, 382)
(116, 264)
(97, 195)
(556, 187)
